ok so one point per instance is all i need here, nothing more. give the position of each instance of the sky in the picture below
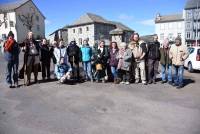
(137, 14)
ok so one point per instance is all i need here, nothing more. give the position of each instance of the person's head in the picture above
(10, 35)
(62, 60)
(44, 41)
(113, 45)
(55, 44)
(166, 43)
(85, 41)
(102, 44)
(30, 35)
(178, 41)
(155, 37)
(123, 45)
(136, 37)
(61, 43)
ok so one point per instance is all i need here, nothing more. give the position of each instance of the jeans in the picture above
(164, 69)
(114, 72)
(178, 75)
(87, 69)
(12, 67)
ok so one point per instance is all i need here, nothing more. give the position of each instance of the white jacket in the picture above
(60, 52)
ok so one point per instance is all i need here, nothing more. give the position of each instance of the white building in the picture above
(170, 26)
(13, 11)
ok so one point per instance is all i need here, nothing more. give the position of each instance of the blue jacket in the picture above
(86, 52)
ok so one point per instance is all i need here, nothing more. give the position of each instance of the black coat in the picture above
(154, 50)
(73, 51)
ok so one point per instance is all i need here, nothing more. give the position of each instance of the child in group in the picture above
(64, 71)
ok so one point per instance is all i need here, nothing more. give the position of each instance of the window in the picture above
(188, 25)
(188, 15)
(170, 25)
(162, 36)
(87, 28)
(11, 24)
(190, 50)
(3, 36)
(38, 27)
(162, 26)
(80, 30)
(37, 18)
(74, 30)
(170, 36)
(188, 35)
(179, 34)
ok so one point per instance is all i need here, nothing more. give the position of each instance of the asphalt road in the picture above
(91, 108)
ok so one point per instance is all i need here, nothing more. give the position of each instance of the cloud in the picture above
(148, 22)
(125, 17)
(47, 22)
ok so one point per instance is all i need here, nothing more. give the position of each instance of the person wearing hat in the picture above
(11, 54)
(178, 53)
(86, 54)
(73, 52)
(124, 64)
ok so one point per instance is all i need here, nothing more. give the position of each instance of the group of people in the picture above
(136, 61)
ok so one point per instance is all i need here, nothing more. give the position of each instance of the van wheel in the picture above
(190, 68)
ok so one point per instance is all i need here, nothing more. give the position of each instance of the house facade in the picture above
(12, 13)
(95, 28)
(192, 22)
(170, 26)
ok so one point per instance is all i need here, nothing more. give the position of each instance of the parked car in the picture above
(193, 61)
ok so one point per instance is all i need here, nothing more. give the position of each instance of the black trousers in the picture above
(45, 69)
(124, 75)
(152, 69)
(75, 69)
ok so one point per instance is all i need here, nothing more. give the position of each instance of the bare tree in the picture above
(28, 19)
(4, 18)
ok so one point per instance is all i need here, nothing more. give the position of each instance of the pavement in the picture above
(97, 108)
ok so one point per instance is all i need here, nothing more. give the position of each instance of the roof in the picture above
(170, 18)
(191, 4)
(11, 6)
(147, 38)
(117, 31)
(121, 26)
(61, 29)
(89, 18)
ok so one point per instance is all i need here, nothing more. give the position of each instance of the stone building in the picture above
(95, 28)
(11, 12)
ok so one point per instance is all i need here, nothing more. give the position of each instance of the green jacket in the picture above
(164, 58)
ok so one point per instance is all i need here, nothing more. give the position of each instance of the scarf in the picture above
(9, 45)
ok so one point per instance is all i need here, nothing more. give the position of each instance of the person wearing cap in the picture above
(11, 55)
(73, 52)
(124, 64)
(86, 54)
(178, 53)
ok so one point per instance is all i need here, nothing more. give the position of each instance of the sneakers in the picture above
(127, 83)
(122, 82)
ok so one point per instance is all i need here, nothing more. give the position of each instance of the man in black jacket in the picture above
(45, 58)
(153, 59)
(32, 59)
(73, 52)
